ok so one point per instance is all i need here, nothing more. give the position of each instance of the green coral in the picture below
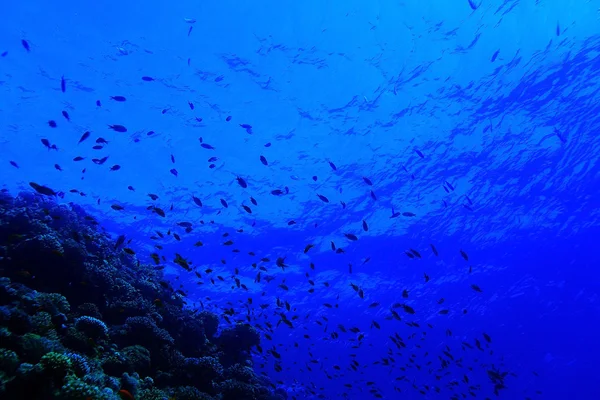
(9, 361)
(54, 303)
(42, 323)
(56, 364)
(34, 347)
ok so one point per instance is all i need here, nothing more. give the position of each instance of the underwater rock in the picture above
(81, 319)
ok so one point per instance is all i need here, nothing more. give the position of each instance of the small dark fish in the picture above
(63, 84)
(323, 198)
(248, 209)
(224, 203)
(42, 189)
(115, 167)
(97, 147)
(419, 153)
(351, 236)
(99, 161)
(495, 55)
(367, 181)
(207, 146)
(434, 250)
(98, 104)
(101, 141)
(190, 30)
(464, 255)
(409, 214)
(332, 165)
(487, 337)
(4, 54)
(147, 78)
(253, 201)
(118, 98)
(373, 196)
(172, 158)
(197, 201)
(120, 241)
(365, 226)
(118, 128)
(191, 105)
(57, 167)
(14, 164)
(268, 144)
(79, 158)
(52, 123)
(473, 5)
(25, 44)
(66, 115)
(476, 288)
(174, 171)
(131, 188)
(242, 182)
(117, 207)
(449, 185)
(247, 127)
(228, 118)
(84, 136)
(264, 160)
(557, 29)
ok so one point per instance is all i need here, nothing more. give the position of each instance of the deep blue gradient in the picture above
(502, 101)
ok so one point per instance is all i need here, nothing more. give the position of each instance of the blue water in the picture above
(502, 102)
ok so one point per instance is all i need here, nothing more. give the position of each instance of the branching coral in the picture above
(127, 331)
(91, 327)
(53, 303)
(143, 330)
(56, 364)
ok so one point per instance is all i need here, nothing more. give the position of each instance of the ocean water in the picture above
(385, 129)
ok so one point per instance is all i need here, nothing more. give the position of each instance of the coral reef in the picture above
(81, 319)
